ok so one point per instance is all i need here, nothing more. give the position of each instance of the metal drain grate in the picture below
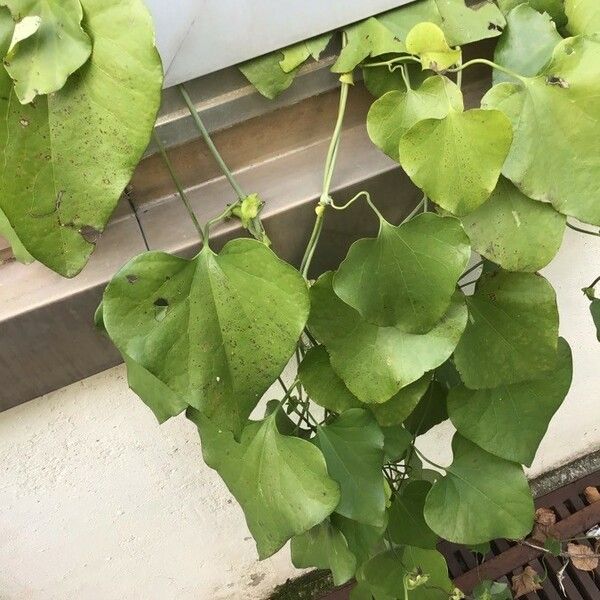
(575, 516)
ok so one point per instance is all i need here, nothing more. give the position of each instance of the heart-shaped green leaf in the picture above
(324, 547)
(556, 121)
(323, 384)
(406, 276)
(267, 76)
(555, 8)
(217, 330)
(384, 574)
(461, 24)
(296, 55)
(73, 153)
(481, 498)
(511, 420)
(526, 44)
(583, 16)
(427, 41)
(41, 63)
(512, 334)
(396, 441)
(280, 482)
(407, 524)
(392, 115)
(363, 540)
(366, 38)
(376, 362)
(457, 160)
(353, 449)
(514, 231)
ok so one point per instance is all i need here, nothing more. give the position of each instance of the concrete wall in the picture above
(97, 502)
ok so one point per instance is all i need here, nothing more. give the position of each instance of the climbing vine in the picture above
(443, 316)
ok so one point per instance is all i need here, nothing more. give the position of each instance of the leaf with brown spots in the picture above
(582, 557)
(526, 582)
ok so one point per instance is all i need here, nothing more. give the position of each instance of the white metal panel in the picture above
(196, 37)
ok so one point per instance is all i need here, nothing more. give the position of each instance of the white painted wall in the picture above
(97, 502)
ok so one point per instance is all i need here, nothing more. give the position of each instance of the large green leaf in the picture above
(323, 384)
(406, 276)
(376, 362)
(427, 41)
(457, 160)
(217, 329)
(481, 498)
(555, 8)
(353, 449)
(511, 420)
(514, 231)
(526, 44)
(42, 62)
(73, 152)
(512, 332)
(366, 38)
(395, 410)
(556, 121)
(384, 574)
(280, 482)
(324, 547)
(430, 411)
(583, 16)
(364, 541)
(407, 524)
(392, 115)
(461, 24)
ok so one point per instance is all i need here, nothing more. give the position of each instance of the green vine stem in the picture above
(579, 230)
(327, 177)
(211, 146)
(363, 194)
(489, 63)
(178, 186)
(470, 270)
(429, 461)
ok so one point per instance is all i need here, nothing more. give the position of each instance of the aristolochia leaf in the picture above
(461, 24)
(457, 160)
(353, 450)
(555, 8)
(217, 330)
(324, 547)
(74, 151)
(384, 574)
(511, 420)
(395, 410)
(407, 524)
(481, 497)
(376, 362)
(41, 62)
(407, 275)
(583, 16)
(267, 76)
(280, 482)
(296, 55)
(392, 115)
(427, 41)
(514, 231)
(526, 44)
(367, 38)
(556, 121)
(430, 411)
(323, 384)
(512, 334)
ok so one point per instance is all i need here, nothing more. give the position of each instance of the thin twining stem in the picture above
(469, 271)
(427, 460)
(211, 146)
(489, 63)
(178, 185)
(587, 232)
(415, 210)
(364, 194)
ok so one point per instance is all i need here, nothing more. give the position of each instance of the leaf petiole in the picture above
(587, 232)
(427, 460)
(489, 63)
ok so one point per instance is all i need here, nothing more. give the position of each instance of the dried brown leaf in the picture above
(526, 582)
(582, 557)
(592, 494)
(545, 519)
